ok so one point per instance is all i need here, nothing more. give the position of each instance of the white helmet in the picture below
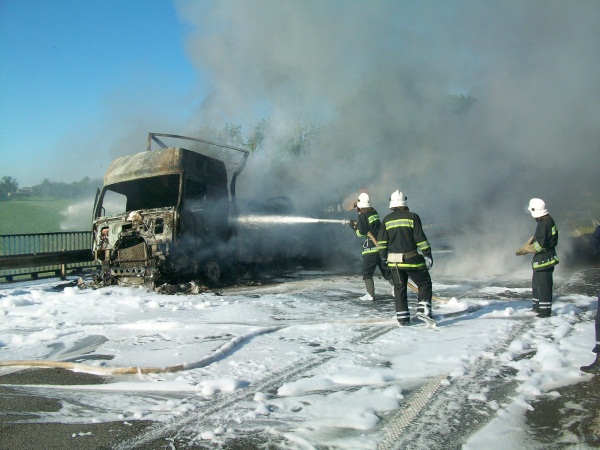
(397, 199)
(363, 201)
(537, 208)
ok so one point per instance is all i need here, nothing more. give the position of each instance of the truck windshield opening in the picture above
(145, 193)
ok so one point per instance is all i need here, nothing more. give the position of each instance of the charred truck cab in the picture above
(164, 215)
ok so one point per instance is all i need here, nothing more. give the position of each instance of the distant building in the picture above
(20, 193)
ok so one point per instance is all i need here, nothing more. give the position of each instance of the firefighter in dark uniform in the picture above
(542, 245)
(400, 236)
(367, 227)
(594, 367)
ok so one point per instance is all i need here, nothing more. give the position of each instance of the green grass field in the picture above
(45, 216)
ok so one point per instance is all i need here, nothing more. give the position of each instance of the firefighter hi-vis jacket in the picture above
(545, 241)
(368, 220)
(402, 232)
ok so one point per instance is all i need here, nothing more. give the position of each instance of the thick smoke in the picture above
(471, 108)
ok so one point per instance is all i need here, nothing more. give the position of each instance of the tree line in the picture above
(86, 187)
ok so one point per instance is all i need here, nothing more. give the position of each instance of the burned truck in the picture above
(164, 214)
(170, 215)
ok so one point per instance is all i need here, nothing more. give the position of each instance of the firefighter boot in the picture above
(545, 310)
(370, 285)
(403, 318)
(424, 307)
(593, 368)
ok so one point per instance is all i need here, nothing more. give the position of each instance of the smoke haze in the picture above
(470, 108)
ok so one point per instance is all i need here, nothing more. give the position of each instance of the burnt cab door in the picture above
(194, 211)
(205, 205)
(204, 213)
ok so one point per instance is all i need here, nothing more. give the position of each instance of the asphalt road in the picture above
(18, 429)
(19, 410)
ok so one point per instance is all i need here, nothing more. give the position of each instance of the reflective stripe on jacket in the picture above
(402, 232)
(545, 241)
(368, 220)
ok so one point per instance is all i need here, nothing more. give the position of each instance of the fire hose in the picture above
(77, 367)
(218, 354)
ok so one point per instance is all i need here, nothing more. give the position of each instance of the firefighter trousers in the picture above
(541, 285)
(422, 279)
(370, 261)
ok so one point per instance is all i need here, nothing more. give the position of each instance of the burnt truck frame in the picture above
(165, 215)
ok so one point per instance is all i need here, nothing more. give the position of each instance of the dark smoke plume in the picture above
(471, 108)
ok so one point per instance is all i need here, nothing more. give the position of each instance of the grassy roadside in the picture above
(44, 216)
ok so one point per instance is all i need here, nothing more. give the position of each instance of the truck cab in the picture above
(164, 215)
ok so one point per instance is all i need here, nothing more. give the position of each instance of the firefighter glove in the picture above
(428, 261)
(527, 248)
(352, 224)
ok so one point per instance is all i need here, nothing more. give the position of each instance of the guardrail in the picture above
(23, 255)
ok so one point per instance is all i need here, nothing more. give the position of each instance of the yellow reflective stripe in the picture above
(370, 250)
(358, 233)
(411, 266)
(373, 218)
(549, 263)
(399, 223)
(382, 245)
(423, 245)
(554, 231)
(538, 248)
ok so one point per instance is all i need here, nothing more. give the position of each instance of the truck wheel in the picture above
(212, 272)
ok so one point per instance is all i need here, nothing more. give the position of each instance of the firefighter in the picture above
(542, 245)
(594, 367)
(400, 236)
(367, 227)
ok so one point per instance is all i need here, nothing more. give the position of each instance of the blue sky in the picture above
(65, 63)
